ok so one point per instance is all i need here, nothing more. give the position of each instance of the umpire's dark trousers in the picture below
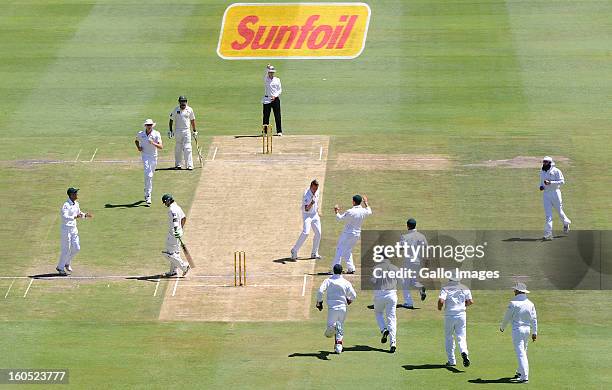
(274, 106)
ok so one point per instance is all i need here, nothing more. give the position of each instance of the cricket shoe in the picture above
(68, 268)
(280, 134)
(178, 167)
(190, 168)
(61, 272)
(566, 228)
(293, 254)
(315, 256)
(423, 293)
(547, 238)
(186, 270)
(170, 274)
(385, 334)
(449, 364)
(338, 347)
(148, 201)
(393, 348)
(466, 359)
(516, 375)
(406, 306)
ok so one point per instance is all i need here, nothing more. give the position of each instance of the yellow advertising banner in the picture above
(293, 30)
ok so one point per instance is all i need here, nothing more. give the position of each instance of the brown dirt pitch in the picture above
(248, 201)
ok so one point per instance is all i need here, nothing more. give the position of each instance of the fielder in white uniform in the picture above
(340, 294)
(311, 219)
(455, 297)
(551, 179)
(522, 313)
(413, 262)
(69, 234)
(385, 302)
(183, 118)
(353, 218)
(176, 221)
(148, 141)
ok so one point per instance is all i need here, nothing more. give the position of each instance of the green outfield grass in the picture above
(473, 81)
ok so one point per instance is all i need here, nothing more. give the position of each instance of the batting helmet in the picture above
(167, 198)
(182, 98)
(72, 190)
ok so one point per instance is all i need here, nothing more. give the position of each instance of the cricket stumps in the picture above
(266, 139)
(240, 268)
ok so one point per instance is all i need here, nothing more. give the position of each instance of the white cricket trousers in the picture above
(182, 149)
(173, 254)
(69, 245)
(520, 339)
(384, 309)
(149, 163)
(552, 200)
(344, 250)
(407, 282)
(314, 222)
(455, 324)
(335, 324)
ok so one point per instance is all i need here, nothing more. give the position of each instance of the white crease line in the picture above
(277, 275)
(321, 153)
(9, 289)
(214, 154)
(78, 154)
(304, 285)
(231, 285)
(175, 286)
(156, 287)
(28, 289)
(94, 155)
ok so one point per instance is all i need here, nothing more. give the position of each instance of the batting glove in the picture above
(195, 135)
(320, 306)
(170, 134)
(178, 233)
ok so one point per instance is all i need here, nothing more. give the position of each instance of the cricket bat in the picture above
(199, 153)
(187, 254)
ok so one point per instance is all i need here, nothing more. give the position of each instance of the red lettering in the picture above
(312, 40)
(257, 41)
(293, 30)
(336, 34)
(306, 28)
(245, 32)
(347, 31)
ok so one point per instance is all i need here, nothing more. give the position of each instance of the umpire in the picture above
(271, 99)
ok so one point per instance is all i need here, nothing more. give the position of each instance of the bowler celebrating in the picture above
(311, 218)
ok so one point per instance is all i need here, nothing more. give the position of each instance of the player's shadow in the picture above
(520, 239)
(167, 169)
(410, 367)
(248, 136)
(147, 278)
(285, 260)
(323, 355)
(45, 276)
(499, 380)
(126, 205)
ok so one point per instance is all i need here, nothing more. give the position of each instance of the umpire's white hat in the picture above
(521, 287)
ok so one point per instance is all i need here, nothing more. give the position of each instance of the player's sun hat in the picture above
(520, 287)
(271, 69)
(149, 122)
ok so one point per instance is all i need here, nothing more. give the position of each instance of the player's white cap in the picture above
(149, 122)
(521, 287)
(547, 158)
(271, 69)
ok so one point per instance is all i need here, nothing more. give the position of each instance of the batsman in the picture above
(176, 222)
